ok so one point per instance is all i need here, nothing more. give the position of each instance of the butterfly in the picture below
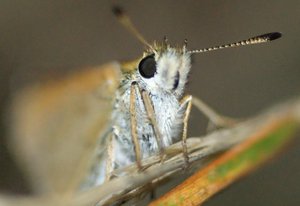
(72, 133)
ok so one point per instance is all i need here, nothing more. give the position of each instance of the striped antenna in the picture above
(127, 23)
(254, 40)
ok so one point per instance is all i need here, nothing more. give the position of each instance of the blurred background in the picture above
(48, 39)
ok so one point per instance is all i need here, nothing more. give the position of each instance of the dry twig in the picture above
(199, 149)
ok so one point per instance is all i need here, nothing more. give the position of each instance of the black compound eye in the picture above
(147, 67)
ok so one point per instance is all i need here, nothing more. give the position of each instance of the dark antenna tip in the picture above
(126, 22)
(271, 36)
(117, 10)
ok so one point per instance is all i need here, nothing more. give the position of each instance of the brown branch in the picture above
(199, 150)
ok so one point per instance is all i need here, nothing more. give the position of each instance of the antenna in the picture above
(127, 23)
(254, 40)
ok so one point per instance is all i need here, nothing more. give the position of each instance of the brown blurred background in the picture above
(45, 39)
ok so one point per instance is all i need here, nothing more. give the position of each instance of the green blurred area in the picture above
(46, 39)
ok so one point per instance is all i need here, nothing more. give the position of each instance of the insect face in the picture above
(166, 69)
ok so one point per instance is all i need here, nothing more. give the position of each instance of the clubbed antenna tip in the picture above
(117, 10)
(126, 22)
(271, 36)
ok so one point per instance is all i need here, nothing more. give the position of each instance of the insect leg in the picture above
(133, 122)
(151, 115)
(216, 119)
(109, 159)
(186, 106)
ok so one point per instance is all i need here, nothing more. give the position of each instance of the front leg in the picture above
(185, 108)
(133, 122)
(151, 115)
(135, 91)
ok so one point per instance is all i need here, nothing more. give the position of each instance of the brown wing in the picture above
(56, 126)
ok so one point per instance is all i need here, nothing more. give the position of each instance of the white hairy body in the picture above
(165, 90)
